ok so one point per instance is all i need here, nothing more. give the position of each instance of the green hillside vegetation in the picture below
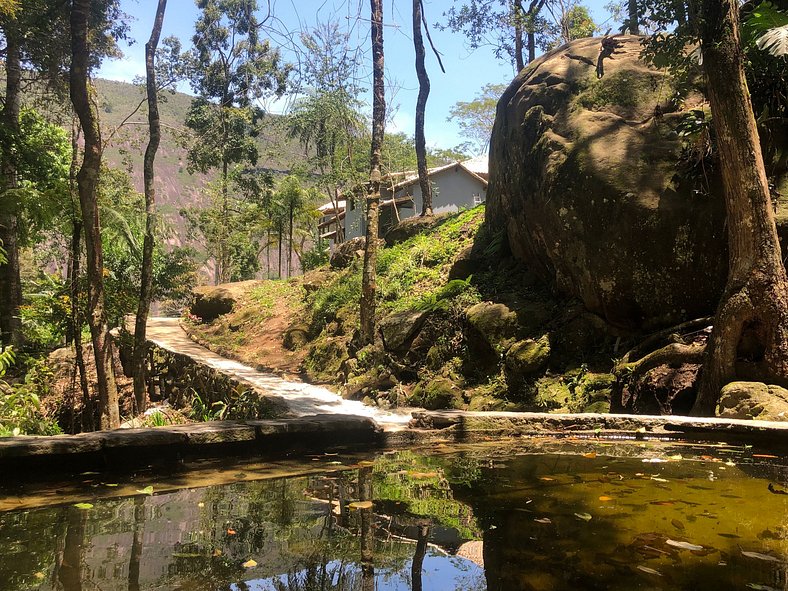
(493, 339)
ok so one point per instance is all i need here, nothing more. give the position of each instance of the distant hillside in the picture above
(177, 187)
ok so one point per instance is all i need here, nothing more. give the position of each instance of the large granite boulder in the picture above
(753, 400)
(211, 301)
(596, 191)
(347, 252)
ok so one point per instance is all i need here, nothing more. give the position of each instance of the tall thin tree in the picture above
(421, 105)
(368, 279)
(87, 183)
(148, 173)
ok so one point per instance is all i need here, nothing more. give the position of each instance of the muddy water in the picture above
(532, 516)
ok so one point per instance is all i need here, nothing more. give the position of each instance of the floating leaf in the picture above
(583, 516)
(658, 479)
(83, 505)
(677, 457)
(544, 520)
(677, 524)
(335, 463)
(648, 570)
(231, 532)
(591, 455)
(148, 490)
(683, 545)
(360, 505)
(249, 564)
(654, 460)
(605, 498)
(110, 484)
(546, 478)
(759, 587)
(767, 456)
(759, 556)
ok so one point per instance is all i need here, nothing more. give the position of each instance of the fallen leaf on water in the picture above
(231, 532)
(365, 463)
(249, 564)
(654, 460)
(604, 498)
(759, 556)
(648, 570)
(544, 520)
(768, 456)
(658, 479)
(360, 505)
(335, 463)
(83, 505)
(583, 516)
(110, 484)
(216, 553)
(591, 455)
(546, 478)
(677, 524)
(759, 587)
(148, 490)
(683, 545)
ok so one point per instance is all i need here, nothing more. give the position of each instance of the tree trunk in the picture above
(367, 523)
(139, 354)
(755, 301)
(279, 255)
(421, 104)
(87, 182)
(368, 283)
(517, 13)
(634, 17)
(418, 558)
(10, 281)
(75, 322)
(290, 241)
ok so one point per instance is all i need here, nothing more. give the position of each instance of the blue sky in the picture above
(466, 70)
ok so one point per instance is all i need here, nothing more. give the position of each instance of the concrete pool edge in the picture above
(127, 448)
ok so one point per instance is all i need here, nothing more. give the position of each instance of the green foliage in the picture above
(475, 118)
(767, 25)
(46, 311)
(316, 256)
(324, 304)
(21, 412)
(204, 411)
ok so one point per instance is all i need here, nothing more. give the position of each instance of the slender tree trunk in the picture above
(139, 354)
(368, 280)
(421, 105)
(222, 260)
(87, 181)
(755, 301)
(534, 8)
(290, 242)
(88, 412)
(10, 281)
(418, 558)
(367, 533)
(137, 541)
(517, 13)
(279, 255)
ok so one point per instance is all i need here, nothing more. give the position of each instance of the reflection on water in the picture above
(630, 516)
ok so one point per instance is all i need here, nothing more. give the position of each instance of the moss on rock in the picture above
(438, 393)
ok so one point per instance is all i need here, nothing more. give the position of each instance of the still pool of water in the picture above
(536, 515)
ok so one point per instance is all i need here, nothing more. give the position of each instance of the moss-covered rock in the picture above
(551, 393)
(296, 336)
(438, 393)
(211, 301)
(399, 329)
(753, 400)
(325, 357)
(526, 358)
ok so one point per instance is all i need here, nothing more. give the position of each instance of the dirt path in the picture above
(301, 399)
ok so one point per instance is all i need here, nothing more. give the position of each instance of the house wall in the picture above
(452, 189)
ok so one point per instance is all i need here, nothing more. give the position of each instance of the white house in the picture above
(455, 186)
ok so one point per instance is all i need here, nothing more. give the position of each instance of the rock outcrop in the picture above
(211, 301)
(753, 400)
(597, 192)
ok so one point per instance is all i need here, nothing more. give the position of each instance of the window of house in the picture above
(477, 199)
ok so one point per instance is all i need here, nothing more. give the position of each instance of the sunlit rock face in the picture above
(600, 195)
